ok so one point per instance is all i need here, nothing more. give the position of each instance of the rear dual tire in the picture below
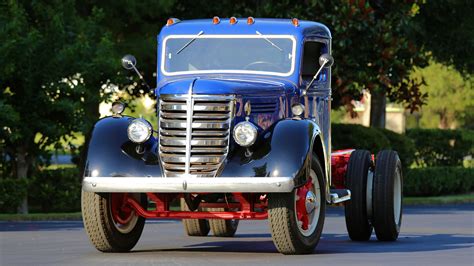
(380, 208)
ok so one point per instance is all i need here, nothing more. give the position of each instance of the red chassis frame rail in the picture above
(247, 203)
(246, 208)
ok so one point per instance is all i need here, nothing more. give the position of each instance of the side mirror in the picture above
(326, 60)
(129, 62)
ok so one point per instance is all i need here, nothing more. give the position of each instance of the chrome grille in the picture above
(202, 152)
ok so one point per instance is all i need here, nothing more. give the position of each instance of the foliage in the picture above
(346, 136)
(12, 192)
(53, 65)
(56, 190)
(446, 28)
(434, 181)
(435, 147)
(404, 145)
(449, 96)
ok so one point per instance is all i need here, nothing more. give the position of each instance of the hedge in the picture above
(436, 147)
(346, 136)
(436, 181)
(12, 191)
(56, 190)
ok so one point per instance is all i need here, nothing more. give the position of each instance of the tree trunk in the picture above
(22, 166)
(443, 120)
(378, 103)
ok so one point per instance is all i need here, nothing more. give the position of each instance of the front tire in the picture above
(112, 226)
(296, 219)
(387, 196)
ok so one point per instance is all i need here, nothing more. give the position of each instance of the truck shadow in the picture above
(332, 244)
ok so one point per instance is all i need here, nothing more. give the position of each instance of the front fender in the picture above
(111, 153)
(283, 150)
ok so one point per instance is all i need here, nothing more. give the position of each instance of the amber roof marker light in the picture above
(295, 22)
(233, 20)
(172, 21)
(250, 20)
(216, 20)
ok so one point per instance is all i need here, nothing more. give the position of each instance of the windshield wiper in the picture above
(190, 41)
(266, 39)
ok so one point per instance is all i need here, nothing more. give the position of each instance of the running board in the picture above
(339, 195)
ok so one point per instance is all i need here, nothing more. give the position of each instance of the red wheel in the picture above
(296, 219)
(307, 206)
(111, 224)
(123, 216)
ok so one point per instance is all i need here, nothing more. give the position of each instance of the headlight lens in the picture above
(139, 130)
(118, 108)
(245, 133)
(297, 109)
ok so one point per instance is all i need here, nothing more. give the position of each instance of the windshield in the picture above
(253, 54)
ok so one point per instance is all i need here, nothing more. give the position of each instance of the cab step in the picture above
(339, 195)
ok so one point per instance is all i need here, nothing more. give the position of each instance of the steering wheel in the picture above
(252, 66)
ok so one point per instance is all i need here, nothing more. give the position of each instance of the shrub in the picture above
(345, 136)
(435, 181)
(373, 139)
(436, 147)
(57, 190)
(12, 192)
(403, 145)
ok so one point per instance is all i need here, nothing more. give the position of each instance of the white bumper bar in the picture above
(188, 184)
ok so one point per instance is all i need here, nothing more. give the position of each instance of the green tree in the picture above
(53, 64)
(446, 28)
(450, 96)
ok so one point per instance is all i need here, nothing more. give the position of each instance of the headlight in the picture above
(139, 130)
(245, 134)
(297, 109)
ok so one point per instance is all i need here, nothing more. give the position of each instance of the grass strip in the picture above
(439, 200)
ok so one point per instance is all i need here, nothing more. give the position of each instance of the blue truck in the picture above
(243, 132)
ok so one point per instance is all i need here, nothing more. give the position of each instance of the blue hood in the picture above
(226, 86)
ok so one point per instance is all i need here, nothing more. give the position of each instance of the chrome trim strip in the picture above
(237, 71)
(189, 128)
(188, 184)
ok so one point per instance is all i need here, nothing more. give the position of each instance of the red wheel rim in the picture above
(301, 211)
(122, 213)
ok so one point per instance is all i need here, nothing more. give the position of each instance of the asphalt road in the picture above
(430, 236)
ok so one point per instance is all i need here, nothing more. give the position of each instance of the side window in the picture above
(312, 51)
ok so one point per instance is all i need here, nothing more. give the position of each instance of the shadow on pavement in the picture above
(334, 244)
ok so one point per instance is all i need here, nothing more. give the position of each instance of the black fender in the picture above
(111, 153)
(283, 150)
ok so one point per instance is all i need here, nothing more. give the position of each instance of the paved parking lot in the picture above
(437, 235)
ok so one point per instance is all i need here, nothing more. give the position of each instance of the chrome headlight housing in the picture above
(245, 133)
(139, 130)
(297, 109)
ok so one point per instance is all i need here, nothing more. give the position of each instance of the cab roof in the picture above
(263, 25)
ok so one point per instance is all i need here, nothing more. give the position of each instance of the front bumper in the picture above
(188, 184)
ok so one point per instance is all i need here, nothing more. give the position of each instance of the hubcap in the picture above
(310, 202)
(307, 203)
(397, 198)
